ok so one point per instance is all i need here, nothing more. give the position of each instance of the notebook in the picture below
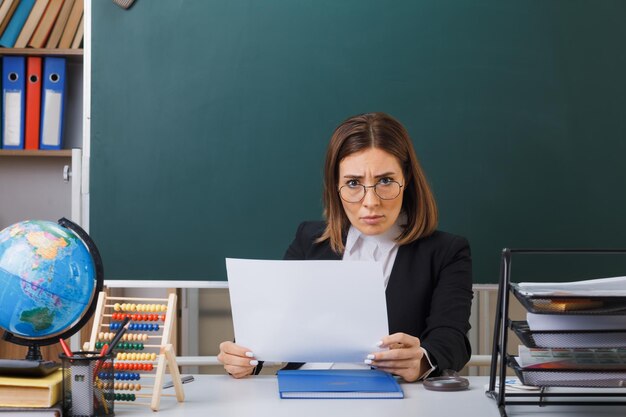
(338, 383)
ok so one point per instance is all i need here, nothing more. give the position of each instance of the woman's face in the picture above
(371, 215)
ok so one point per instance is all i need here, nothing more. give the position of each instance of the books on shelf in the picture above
(6, 12)
(338, 383)
(40, 36)
(73, 21)
(40, 24)
(11, 32)
(78, 37)
(31, 23)
(31, 391)
(59, 25)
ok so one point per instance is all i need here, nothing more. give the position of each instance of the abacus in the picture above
(143, 352)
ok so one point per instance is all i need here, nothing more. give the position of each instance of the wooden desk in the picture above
(224, 396)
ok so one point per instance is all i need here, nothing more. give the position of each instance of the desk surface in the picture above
(224, 396)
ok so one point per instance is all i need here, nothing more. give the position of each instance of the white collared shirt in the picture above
(381, 248)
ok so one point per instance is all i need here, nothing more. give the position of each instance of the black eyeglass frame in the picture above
(365, 187)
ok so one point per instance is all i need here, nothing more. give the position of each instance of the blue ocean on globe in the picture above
(47, 279)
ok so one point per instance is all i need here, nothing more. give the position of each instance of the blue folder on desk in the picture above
(338, 383)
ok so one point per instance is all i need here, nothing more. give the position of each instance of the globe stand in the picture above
(34, 350)
(34, 353)
(34, 365)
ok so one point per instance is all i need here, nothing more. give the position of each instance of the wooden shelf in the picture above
(63, 153)
(75, 55)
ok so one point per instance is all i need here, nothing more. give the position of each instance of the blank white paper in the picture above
(308, 311)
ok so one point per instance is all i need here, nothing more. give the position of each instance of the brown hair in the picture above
(377, 130)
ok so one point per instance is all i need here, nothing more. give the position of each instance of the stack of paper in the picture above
(605, 287)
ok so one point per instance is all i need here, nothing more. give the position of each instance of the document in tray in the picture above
(308, 311)
(562, 358)
(604, 287)
(575, 322)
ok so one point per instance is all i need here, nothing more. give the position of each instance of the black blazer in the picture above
(429, 293)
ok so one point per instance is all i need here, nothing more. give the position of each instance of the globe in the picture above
(50, 274)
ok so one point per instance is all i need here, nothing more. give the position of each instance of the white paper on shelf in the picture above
(603, 287)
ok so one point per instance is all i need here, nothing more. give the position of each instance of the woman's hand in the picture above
(237, 360)
(404, 358)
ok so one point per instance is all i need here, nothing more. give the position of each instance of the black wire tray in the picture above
(564, 304)
(569, 377)
(568, 338)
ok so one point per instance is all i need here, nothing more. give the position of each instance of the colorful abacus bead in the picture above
(124, 397)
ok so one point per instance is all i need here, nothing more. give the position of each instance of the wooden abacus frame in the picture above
(166, 355)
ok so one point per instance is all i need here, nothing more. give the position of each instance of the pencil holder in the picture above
(88, 382)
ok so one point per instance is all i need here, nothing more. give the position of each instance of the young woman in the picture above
(378, 206)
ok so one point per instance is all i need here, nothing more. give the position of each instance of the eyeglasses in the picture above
(384, 189)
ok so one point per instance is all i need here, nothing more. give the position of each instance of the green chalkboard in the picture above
(210, 120)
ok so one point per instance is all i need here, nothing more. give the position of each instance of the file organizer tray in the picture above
(569, 377)
(593, 386)
(569, 304)
(568, 339)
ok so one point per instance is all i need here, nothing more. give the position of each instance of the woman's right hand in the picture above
(237, 360)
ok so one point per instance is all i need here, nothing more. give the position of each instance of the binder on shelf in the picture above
(72, 25)
(40, 36)
(13, 99)
(13, 29)
(33, 102)
(59, 25)
(31, 23)
(52, 103)
(338, 383)
(6, 12)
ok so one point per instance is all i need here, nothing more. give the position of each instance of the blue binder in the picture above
(16, 24)
(338, 383)
(13, 101)
(52, 103)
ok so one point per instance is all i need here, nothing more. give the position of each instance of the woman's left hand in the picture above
(404, 358)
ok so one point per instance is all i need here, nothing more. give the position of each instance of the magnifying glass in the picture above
(449, 381)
